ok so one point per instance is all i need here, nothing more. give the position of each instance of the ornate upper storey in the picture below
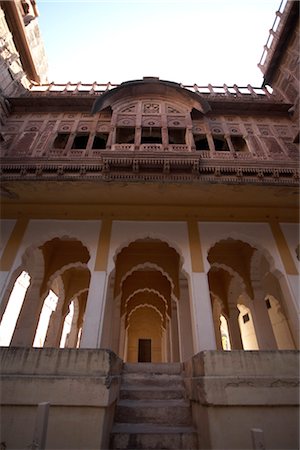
(151, 129)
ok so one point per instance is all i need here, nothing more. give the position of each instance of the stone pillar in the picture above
(262, 324)
(55, 326)
(184, 320)
(29, 315)
(122, 337)
(7, 259)
(174, 331)
(137, 137)
(217, 324)
(200, 305)
(116, 325)
(202, 313)
(93, 320)
(72, 337)
(234, 328)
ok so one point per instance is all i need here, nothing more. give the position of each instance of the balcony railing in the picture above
(273, 33)
(97, 89)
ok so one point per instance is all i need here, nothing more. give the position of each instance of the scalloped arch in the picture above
(146, 305)
(235, 236)
(145, 266)
(150, 235)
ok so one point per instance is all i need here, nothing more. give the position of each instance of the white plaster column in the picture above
(184, 320)
(93, 319)
(29, 315)
(262, 324)
(217, 325)
(116, 326)
(289, 285)
(204, 336)
(234, 328)
(175, 333)
(122, 337)
(72, 337)
(55, 325)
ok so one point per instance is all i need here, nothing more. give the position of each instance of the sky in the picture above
(186, 41)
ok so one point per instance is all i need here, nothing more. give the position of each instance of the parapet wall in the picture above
(243, 399)
(81, 386)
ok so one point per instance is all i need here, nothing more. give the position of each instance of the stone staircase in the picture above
(152, 412)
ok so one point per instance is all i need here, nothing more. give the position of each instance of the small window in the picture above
(246, 318)
(176, 135)
(221, 144)
(239, 143)
(125, 135)
(25, 7)
(151, 135)
(201, 142)
(80, 141)
(100, 141)
(61, 140)
(268, 304)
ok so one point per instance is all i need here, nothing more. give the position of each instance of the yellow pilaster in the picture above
(283, 249)
(103, 245)
(195, 247)
(13, 244)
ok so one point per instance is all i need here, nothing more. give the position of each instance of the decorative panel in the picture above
(84, 126)
(65, 126)
(177, 121)
(126, 121)
(151, 121)
(151, 108)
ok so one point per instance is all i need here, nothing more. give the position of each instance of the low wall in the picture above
(81, 386)
(245, 399)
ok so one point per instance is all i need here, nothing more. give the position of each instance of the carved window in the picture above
(125, 135)
(61, 140)
(246, 318)
(239, 143)
(100, 141)
(80, 141)
(176, 135)
(151, 135)
(201, 142)
(151, 108)
(220, 143)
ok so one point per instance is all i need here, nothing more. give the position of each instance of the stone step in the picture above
(170, 412)
(153, 368)
(149, 436)
(149, 379)
(151, 392)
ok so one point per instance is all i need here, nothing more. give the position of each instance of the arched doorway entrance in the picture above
(147, 315)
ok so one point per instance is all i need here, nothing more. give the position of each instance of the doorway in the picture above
(144, 351)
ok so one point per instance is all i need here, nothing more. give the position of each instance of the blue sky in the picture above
(187, 41)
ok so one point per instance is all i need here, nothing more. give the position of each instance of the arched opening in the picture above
(147, 314)
(12, 311)
(58, 274)
(226, 345)
(250, 294)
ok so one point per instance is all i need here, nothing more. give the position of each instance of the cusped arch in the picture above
(149, 235)
(153, 291)
(247, 239)
(60, 272)
(146, 305)
(151, 266)
(232, 272)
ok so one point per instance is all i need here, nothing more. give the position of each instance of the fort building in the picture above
(149, 254)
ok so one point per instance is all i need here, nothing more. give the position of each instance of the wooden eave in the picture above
(84, 102)
(280, 43)
(17, 28)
